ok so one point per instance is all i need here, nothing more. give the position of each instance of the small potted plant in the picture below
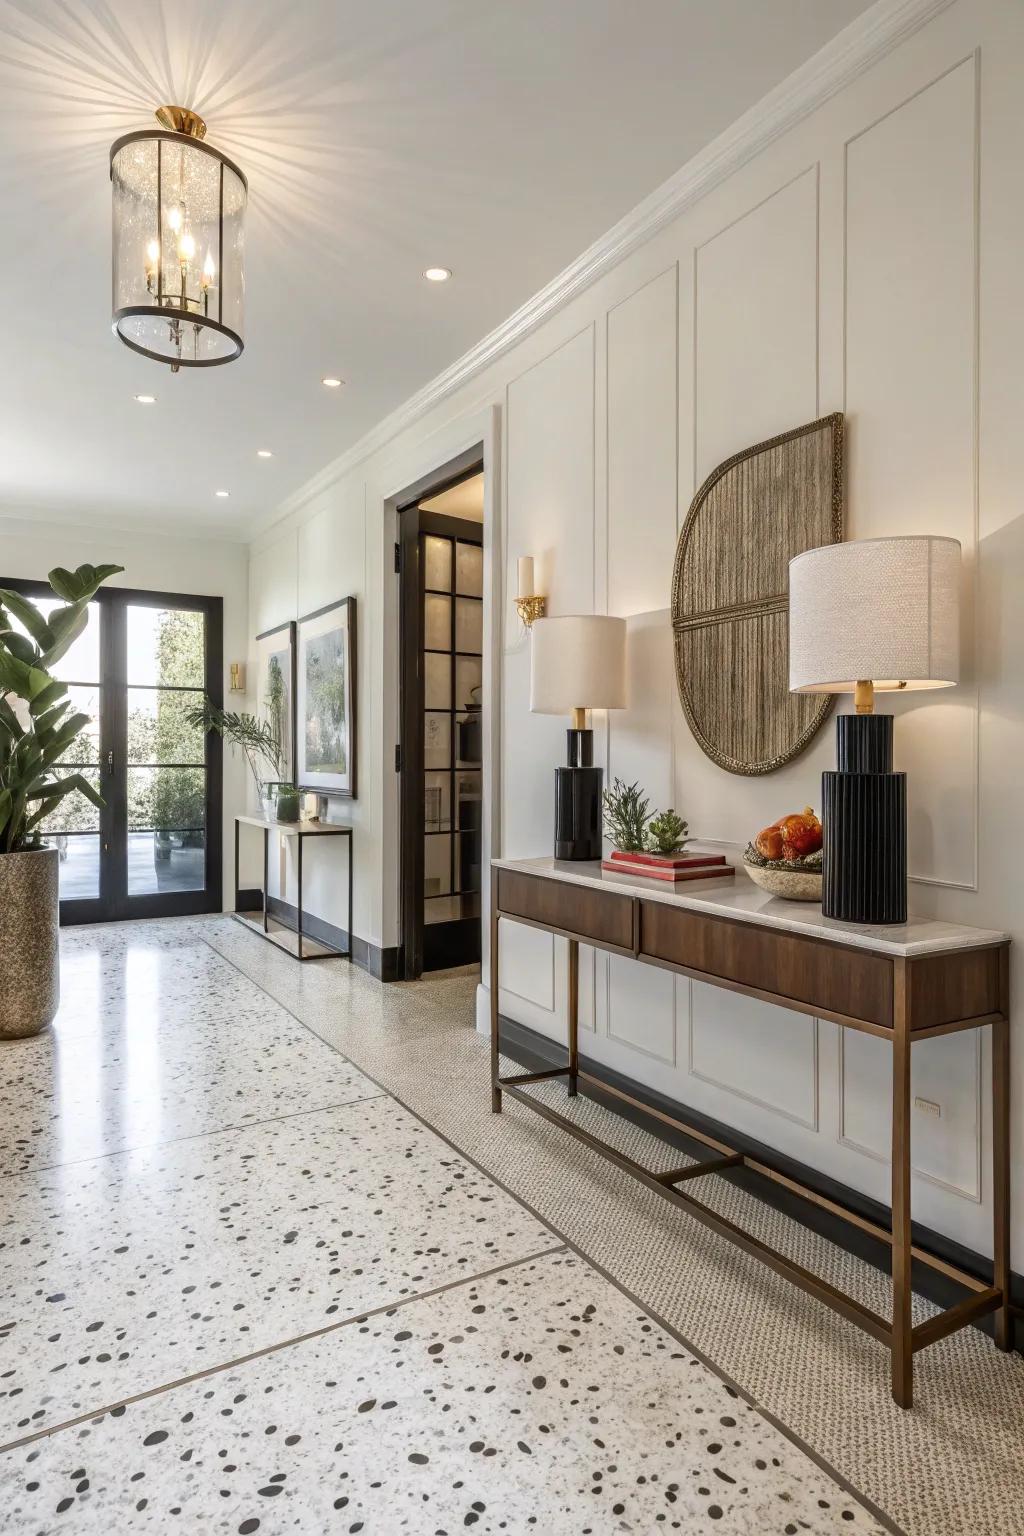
(627, 812)
(666, 833)
(37, 734)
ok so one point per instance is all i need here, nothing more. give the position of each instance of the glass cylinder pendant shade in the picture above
(178, 247)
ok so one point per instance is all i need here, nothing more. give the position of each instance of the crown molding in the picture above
(850, 53)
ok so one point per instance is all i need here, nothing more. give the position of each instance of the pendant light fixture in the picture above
(178, 244)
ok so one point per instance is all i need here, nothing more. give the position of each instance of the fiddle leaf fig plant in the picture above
(36, 730)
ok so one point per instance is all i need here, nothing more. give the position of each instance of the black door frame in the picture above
(411, 523)
(112, 904)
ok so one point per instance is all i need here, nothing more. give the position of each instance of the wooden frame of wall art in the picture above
(326, 700)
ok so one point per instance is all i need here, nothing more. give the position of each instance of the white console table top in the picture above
(738, 897)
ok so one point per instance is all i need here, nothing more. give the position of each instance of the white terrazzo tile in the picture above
(540, 1399)
(158, 1067)
(129, 1272)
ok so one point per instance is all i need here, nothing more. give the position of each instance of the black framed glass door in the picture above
(154, 850)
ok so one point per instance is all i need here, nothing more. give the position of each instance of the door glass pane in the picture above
(468, 679)
(81, 661)
(437, 802)
(167, 799)
(437, 622)
(469, 570)
(437, 682)
(86, 746)
(470, 803)
(467, 861)
(469, 624)
(468, 740)
(166, 861)
(165, 646)
(437, 563)
(74, 813)
(79, 878)
(437, 872)
(436, 740)
(157, 729)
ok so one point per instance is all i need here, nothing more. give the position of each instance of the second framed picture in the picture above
(326, 700)
(275, 692)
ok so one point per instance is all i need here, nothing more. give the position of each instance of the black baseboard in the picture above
(536, 1052)
(381, 963)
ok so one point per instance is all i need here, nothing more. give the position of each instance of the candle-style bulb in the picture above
(174, 218)
(209, 271)
(186, 247)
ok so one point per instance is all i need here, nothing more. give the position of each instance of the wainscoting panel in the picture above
(642, 427)
(641, 1008)
(755, 1050)
(946, 1074)
(911, 387)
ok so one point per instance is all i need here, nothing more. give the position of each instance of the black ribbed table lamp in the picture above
(872, 615)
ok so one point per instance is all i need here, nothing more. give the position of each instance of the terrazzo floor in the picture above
(245, 1289)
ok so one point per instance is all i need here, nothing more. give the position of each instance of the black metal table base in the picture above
(259, 922)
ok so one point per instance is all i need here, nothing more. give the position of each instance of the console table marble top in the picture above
(738, 897)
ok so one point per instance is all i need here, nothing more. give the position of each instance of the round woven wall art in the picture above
(730, 595)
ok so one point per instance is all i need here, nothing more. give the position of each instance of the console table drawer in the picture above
(851, 982)
(603, 917)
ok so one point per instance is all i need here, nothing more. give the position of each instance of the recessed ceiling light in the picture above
(222, 493)
(332, 383)
(264, 453)
(437, 274)
(146, 399)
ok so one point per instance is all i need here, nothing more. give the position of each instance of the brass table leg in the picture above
(902, 1344)
(1001, 1158)
(495, 1042)
(574, 1016)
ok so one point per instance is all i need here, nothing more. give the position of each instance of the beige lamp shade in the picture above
(577, 661)
(883, 610)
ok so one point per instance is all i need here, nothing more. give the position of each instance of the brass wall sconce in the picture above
(529, 604)
(237, 677)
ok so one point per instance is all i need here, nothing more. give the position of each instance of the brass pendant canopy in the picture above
(178, 244)
(730, 595)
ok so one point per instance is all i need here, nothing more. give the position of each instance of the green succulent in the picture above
(36, 731)
(666, 832)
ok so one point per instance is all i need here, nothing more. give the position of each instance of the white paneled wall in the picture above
(865, 260)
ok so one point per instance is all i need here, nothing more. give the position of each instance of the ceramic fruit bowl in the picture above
(791, 884)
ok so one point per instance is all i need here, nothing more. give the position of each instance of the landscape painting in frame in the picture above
(275, 690)
(327, 700)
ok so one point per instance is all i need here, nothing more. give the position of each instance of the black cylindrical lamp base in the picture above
(578, 801)
(864, 817)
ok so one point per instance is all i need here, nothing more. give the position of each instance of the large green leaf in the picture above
(19, 645)
(19, 678)
(56, 789)
(79, 585)
(30, 616)
(58, 741)
(6, 801)
(47, 696)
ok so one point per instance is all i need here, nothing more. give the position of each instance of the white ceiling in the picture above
(495, 137)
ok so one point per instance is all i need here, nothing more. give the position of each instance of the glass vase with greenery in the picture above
(260, 744)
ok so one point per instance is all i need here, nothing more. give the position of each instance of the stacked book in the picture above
(669, 866)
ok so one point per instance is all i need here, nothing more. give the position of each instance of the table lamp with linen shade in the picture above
(874, 615)
(578, 662)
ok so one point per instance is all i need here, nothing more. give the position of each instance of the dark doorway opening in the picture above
(440, 559)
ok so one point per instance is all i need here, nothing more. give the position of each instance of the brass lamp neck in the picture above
(579, 719)
(864, 696)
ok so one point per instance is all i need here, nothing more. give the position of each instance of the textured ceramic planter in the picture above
(29, 962)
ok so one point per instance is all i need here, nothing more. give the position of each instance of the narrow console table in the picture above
(901, 984)
(260, 923)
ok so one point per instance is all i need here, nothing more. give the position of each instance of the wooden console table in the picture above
(901, 984)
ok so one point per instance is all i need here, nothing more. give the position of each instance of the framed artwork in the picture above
(275, 690)
(326, 697)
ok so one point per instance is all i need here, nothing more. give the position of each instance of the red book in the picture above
(673, 876)
(669, 860)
